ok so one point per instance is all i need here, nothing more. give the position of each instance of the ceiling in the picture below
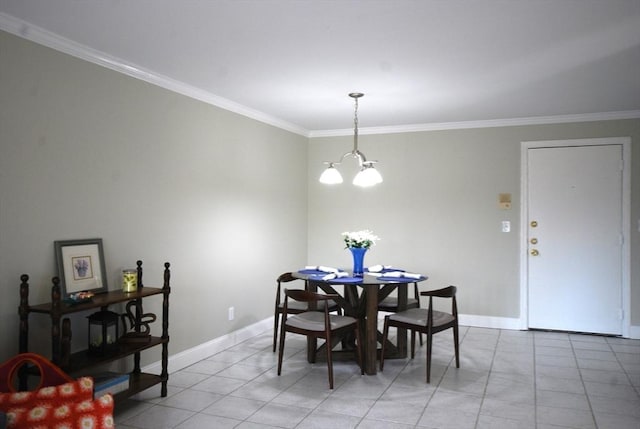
(420, 63)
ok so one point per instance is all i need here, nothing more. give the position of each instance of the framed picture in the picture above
(81, 266)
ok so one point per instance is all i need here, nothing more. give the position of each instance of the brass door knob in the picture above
(535, 252)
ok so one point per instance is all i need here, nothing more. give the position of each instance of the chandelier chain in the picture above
(355, 116)
(355, 126)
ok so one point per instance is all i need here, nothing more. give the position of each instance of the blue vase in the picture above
(358, 260)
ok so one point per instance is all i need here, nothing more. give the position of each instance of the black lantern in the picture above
(103, 332)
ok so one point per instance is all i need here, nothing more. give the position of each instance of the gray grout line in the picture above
(629, 379)
(584, 388)
(484, 392)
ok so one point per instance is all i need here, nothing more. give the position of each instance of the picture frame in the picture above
(80, 266)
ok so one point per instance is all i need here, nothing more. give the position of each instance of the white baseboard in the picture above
(195, 354)
(515, 324)
(201, 351)
(490, 322)
(634, 332)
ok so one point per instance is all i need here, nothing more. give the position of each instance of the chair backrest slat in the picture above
(307, 296)
(446, 292)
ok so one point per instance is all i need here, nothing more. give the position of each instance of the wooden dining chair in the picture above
(390, 303)
(295, 307)
(317, 324)
(427, 321)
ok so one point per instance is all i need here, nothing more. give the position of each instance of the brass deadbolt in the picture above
(534, 241)
(534, 223)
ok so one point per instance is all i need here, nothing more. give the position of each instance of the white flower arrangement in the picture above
(364, 239)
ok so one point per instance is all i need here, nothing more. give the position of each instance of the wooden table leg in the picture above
(401, 341)
(312, 343)
(371, 330)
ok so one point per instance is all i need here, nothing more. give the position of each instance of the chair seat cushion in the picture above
(314, 321)
(391, 303)
(418, 317)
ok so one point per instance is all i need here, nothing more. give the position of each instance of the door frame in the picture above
(626, 220)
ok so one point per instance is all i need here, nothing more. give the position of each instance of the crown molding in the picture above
(43, 37)
(51, 40)
(493, 123)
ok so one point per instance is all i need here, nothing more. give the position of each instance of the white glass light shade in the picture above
(368, 176)
(331, 176)
(375, 175)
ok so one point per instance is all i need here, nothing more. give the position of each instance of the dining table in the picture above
(360, 299)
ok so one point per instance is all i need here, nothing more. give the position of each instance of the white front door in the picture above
(574, 238)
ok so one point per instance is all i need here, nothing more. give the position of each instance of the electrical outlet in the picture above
(231, 313)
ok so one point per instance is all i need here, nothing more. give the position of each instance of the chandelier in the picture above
(368, 175)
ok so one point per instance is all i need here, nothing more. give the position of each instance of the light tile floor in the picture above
(507, 379)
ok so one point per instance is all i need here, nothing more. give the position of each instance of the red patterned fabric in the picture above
(90, 414)
(63, 403)
(52, 396)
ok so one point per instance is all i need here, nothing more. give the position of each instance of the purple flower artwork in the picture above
(82, 267)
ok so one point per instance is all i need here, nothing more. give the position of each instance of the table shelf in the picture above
(84, 360)
(98, 301)
(138, 383)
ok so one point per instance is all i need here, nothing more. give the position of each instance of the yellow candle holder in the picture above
(129, 280)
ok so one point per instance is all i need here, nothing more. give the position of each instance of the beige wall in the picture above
(437, 210)
(87, 152)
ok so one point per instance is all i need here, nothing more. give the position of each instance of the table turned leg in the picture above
(401, 341)
(371, 330)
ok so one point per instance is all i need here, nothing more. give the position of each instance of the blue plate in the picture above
(342, 280)
(338, 280)
(399, 279)
(313, 272)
